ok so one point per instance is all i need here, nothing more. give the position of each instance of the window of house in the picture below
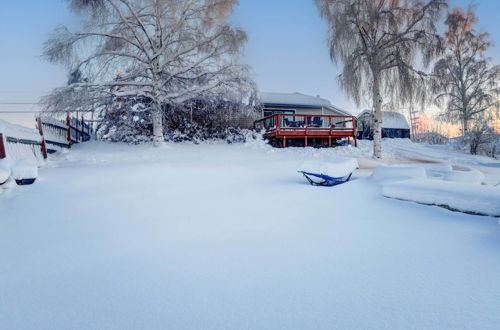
(270, 112)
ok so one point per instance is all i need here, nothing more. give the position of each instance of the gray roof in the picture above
(299, 99)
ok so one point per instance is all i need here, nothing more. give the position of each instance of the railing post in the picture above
(68, 123)
(305, 132)
(3, 153)
(44, 145)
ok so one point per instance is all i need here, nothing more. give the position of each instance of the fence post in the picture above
(40, 130)
(68, 123)
(3, 154)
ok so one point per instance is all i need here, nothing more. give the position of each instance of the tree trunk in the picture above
(377, 120)
(158, 137)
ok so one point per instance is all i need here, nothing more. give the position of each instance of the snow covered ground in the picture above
(219, 236)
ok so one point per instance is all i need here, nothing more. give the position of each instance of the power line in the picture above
(22, 111)
(17, 103)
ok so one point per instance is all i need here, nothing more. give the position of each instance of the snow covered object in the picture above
(333, 172)
(4, 171)
(24, 173)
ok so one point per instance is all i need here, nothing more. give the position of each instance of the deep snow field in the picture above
(218, 236)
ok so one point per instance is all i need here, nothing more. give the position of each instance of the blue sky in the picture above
(286, 47)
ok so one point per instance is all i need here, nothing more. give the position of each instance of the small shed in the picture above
(394, 125)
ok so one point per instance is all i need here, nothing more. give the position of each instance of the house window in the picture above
(270, 112)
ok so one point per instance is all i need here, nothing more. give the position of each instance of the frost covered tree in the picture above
(378, 42)
(466, 82)
(162, 52)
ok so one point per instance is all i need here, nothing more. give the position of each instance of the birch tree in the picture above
(164, 51)
(465, 81)
(378, 43)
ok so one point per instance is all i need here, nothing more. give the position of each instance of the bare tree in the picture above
(378, 41)
(465, 80)
(165, 51)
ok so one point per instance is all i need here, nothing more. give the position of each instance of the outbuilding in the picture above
(394, 125)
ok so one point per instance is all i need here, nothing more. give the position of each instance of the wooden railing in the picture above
(320, 125)
(51, 135)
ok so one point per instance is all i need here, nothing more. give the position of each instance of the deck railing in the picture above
(321, 124)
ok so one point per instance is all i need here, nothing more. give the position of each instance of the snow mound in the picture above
(437, 171)
(464, 197)
(468, 175)
(4, 170)
(398, 173)
(336, 167)
(24, 170)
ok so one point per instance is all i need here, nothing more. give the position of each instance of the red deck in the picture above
(281, 129)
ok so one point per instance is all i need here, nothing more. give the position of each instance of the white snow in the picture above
(439, 184)
(23, 170)
(466, 175)
(19, 132)
(336, 167)
(398, 173)
(217, 236)
(458, 196)
(4, 170)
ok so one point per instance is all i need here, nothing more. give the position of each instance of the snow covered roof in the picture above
(299, 99)
(390, 119)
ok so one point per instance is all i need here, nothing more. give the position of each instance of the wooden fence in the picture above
(50, 136)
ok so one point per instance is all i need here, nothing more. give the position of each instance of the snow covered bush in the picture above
(195, 120)
(478, 143)
(126, 122)
(208, 119)
(430, 138)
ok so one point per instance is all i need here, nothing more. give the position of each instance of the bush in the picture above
(196, 120)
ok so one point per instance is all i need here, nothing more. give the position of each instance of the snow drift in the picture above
(467, 175)
(398, 173)
(439, 184)
(464, 197)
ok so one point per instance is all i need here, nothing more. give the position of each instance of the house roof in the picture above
(299, 100)
(390, 119)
